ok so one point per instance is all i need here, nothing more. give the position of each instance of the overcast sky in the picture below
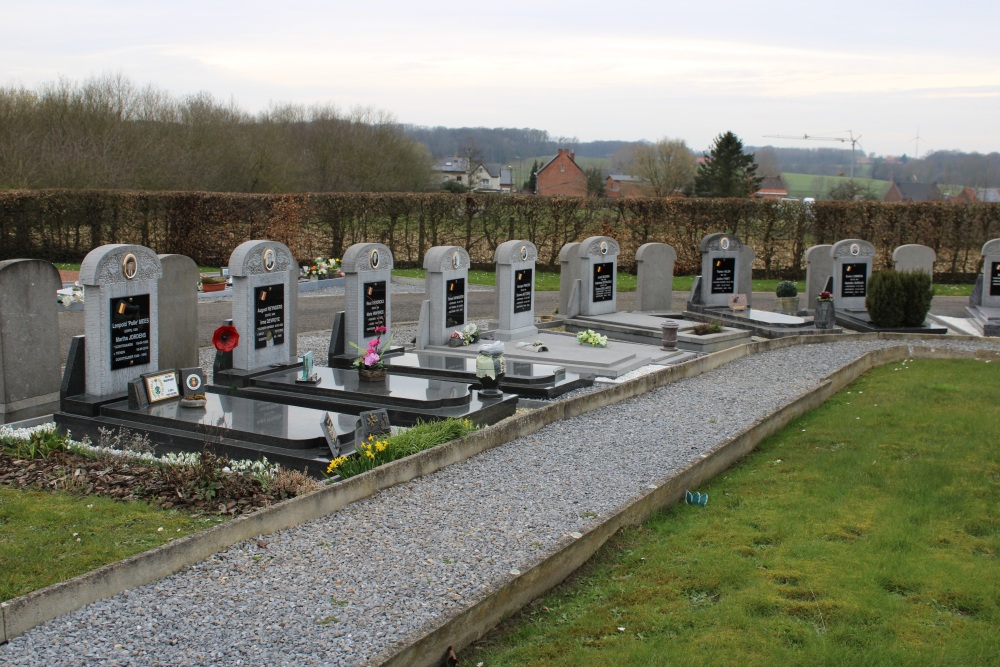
(887, 71)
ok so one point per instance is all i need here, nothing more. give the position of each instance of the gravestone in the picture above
(991, 274)
(852, 267)
(265, 304)
(569, 280)
(655, 281)
(819, 268)
(515, 290)
(121, 316)
(29, 339)
(914, 257)
(367, 271)
(598, 272)
(725, 269)
(177, 293)
(446, 284)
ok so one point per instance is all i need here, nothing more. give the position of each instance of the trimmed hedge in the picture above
(899, 298)
(63, 225)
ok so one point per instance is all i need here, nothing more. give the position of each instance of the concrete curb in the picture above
(23, 613)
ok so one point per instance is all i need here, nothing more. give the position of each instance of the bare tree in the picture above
(668, 166)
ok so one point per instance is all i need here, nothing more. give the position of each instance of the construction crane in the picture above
(810, 137)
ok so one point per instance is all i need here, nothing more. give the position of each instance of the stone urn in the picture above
(490, 369)
(825, 315)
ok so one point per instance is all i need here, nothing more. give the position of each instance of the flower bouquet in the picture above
(322, 268)
(369, 363)
(825, 296)
(591, 337)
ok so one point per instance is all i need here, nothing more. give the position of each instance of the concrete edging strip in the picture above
(27, 611)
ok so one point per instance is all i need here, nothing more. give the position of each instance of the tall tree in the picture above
(595, 182)
(727, 171)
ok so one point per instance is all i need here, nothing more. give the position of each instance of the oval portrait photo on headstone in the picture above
(524, 253)
(374, 258)
(724, 243)
(130, 266)
(269, 259)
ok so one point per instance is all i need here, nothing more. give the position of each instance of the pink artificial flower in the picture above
(380, 330)
(371, 358)
(373, 343)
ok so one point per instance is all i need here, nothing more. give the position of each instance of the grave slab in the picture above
(647, 329)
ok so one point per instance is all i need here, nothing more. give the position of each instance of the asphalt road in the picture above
(316, 312)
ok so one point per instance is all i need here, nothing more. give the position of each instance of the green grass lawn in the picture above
(46, 538)
(865, 533)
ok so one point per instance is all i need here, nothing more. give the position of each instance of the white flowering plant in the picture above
(322, 268)
(591, 337)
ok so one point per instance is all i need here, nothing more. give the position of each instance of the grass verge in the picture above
(864, 533)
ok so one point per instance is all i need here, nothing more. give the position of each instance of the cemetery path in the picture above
(345, 588)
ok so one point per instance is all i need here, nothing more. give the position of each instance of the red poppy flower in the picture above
(226, 338)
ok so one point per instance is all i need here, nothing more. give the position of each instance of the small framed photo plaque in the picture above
(161, 386)
(737, 301)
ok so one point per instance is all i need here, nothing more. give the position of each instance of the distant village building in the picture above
(625, 186)
(452, 169)
(492, 178)
(772, 187)
(918, 192)
(973, 195)
(561, 177)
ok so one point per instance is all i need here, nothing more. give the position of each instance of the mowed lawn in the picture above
(865, 533)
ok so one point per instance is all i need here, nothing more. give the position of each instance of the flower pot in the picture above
(372, 374)
(455, 342)
(788, 305)
(825, 315)
(213, 287)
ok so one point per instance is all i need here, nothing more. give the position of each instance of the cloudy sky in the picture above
(888, 71)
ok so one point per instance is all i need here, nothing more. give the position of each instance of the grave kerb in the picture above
(852, 269)
(655, 277)
(121, 316)
(725, 269)
(447, 284)
(515, 290)
(265, 304)
(367, 271)
(598, 273)
(991, 274)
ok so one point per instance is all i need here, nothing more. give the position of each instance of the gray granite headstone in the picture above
(991, 274)
(446, 283)
(655, 281)
(265, 304)
(29, 339)
(515, 290)
(570, 285)
(367, 271)
(121, 316)
(914, 257)
(598, 273)
(178, 299)
(852, 268)
(819, 268)
(726, 269)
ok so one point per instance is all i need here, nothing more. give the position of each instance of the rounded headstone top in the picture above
(814, 251)
(991, 247)
(852, 248)
(914, 251)
(119, 263)
(721, 243)
(446, 258)
(599, 246)
(515, 252)
(365, 257)
(569, 250)
(254, 258)
(655, 252)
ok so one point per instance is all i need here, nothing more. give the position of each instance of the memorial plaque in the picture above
(604, 281)
(724, 275)
(161, 386)
(853, 279)
(374, 306)
(454, 302)
(269, 315)
(994, 278)
(130, 331)
(523, 285)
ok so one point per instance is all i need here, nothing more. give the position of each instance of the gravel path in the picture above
(342, 589)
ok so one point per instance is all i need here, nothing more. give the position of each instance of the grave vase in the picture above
(372, 374)
(490, 369)
(825, 315)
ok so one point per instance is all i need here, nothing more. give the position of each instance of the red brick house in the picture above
(772, 187)
(624, 186)
(561, 177)
(972, 195)
(913, 192)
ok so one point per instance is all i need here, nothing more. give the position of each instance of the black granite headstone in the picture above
(130, 331)
(374, 307)
(269, 315)
(854, 279)
(455, 302)
(724, 275)
(604, 281)
(523, 286)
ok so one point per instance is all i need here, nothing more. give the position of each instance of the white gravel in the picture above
(343, 589)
